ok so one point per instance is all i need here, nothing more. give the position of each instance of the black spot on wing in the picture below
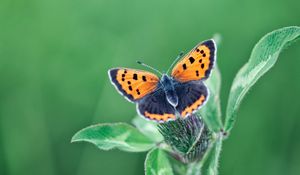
(202, 65)
(135, 76)
(138, 92)
(144, 78)
(192, 60)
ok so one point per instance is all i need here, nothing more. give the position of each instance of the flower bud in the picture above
(189, 138)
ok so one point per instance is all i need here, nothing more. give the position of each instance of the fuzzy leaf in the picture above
(148, 128)
(263, 57)
(119, 135)
(157, 163)
(193, 168)
(211, 111)
(178, 167)
(212, 160)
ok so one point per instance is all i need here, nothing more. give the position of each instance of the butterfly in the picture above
(180, 94)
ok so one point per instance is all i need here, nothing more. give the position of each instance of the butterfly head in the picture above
(164, 78)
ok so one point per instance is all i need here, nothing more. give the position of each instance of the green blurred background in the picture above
(54, 57)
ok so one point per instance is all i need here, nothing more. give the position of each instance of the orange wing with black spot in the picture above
(197, 64)
(133, 84)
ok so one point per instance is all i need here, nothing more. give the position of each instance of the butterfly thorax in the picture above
(168, 86)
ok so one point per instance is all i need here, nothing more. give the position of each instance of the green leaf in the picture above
(148, 128)
(211, 163)
(263, 57)
(178, 167)
(211, 111)
(119, 135)
(157, 163)
(193, 168)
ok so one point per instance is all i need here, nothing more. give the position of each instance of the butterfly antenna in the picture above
(150, 67)
(175, 61)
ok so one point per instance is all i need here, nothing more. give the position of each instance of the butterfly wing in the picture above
(197, 64)
(191, 96)
(133, 84)
(156, 107)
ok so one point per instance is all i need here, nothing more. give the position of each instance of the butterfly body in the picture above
(167, 84)
(180, 94)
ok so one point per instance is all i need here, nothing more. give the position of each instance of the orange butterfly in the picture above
(161, 99)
